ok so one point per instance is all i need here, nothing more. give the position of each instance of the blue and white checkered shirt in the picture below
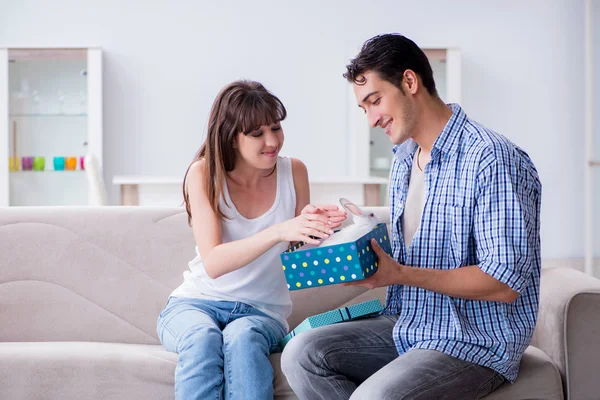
(482, 208)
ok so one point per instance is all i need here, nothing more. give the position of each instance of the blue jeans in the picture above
(223, 348)
(358, 360)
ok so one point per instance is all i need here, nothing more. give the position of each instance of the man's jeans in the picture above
(223, 348)
(358, 360)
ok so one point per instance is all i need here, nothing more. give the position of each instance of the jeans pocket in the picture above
(276, 335)
(488, 387)
(159, 323)
(165, 336)
(166, 306)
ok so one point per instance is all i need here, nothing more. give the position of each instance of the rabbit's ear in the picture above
(351, 208)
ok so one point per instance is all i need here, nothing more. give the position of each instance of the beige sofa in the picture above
(81, 289)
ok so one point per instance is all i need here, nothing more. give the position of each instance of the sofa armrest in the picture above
(568, 328)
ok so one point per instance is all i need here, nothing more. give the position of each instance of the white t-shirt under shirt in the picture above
(261, 283)
(415, 202)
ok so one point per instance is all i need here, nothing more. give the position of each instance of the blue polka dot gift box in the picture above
(361, 310)
(307, 266)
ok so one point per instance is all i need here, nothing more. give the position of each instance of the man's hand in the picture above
(468, 282)
(389, 272)
(334, 215)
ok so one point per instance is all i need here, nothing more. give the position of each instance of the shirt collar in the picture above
(449, 139)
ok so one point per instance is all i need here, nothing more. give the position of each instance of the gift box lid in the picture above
(345, 313)
(365, 309)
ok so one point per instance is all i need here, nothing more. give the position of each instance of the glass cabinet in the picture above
(51, 125)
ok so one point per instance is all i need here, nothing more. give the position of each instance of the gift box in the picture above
(308, 266)
(366, 309)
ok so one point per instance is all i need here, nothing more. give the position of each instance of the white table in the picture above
(138, 189)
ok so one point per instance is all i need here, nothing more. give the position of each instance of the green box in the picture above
(307, 266)
(39, 163)
(361, 310)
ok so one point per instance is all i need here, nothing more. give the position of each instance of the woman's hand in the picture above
(301, 228)
(334, 215)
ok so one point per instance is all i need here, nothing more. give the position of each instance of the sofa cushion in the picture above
(90, 370)
(538, 379)
(85, 370)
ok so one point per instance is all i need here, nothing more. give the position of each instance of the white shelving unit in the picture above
(592, 134)
(50, 106)
(140, 190)
(369, 148)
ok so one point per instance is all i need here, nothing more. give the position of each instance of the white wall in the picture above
(165, 62)
(596, 121)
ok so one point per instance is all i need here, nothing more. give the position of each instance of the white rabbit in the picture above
(362, 223)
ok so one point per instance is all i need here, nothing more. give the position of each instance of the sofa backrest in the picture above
(104, 273)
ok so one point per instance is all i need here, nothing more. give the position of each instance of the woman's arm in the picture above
(334, 215)
(301, 185)
(221, 258)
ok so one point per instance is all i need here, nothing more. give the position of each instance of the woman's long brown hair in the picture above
(240, 107)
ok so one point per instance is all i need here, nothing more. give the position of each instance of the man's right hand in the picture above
(389, 271)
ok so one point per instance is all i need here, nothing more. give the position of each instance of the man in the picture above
(463, 281)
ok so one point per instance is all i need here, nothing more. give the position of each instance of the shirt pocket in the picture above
(462, 242)
(450, 233)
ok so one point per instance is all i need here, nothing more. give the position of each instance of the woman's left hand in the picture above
(334, 215)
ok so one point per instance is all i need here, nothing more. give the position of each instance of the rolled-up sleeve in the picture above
(506, 222)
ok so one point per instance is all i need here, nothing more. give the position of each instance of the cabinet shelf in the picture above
(52, 171)
(380, 169)
(47, 115)
(50, 106)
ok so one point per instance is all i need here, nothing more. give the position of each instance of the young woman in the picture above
(245, 205)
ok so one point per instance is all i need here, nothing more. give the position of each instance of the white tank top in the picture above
(415, 202)
(261, 283)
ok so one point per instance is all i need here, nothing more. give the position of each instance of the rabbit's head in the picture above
(362, 223)
(359, 216)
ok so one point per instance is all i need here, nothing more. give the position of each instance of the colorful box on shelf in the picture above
(361, 310)
(14, 163)
(70, 163)
(27, 163)
(308, 266)
(39, 163)
(59, 163)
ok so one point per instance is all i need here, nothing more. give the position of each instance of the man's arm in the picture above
(506, 233)
(468, 282)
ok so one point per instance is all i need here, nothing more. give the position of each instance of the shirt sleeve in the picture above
(506, 222)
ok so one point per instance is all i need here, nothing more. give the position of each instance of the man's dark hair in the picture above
(390, 55)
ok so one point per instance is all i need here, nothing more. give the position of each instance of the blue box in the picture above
(366, 309)
(308, 266)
